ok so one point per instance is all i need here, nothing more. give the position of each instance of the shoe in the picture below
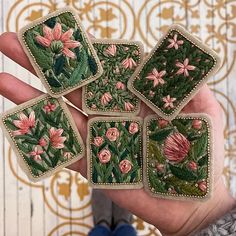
(124, 230)
(100, 230)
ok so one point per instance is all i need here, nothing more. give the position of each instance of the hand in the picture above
(169, 216)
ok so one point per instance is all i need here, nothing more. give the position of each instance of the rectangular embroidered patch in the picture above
(60, 52)
(177, 157)
(109, 95)
(43, 135)
(173, 72)
(115, 153)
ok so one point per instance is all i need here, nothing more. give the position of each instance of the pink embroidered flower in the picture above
(106, 98)
(36, 154)
(67, 155)
(129, 106)
(133, 128)
(129, 63)
(111, 50)
(56, 140)
(192, 165)
(151, 94)
(160, 168)
(163, 123)
(156, 77)
(24, 123)
(93, 106)
(120, 85)
(202, 185)
(184, 68)
(89, 94)
(176, 147)
(42, 142)
(112, 134)
(58, 41)
(168, 101)
(197, 124)
(98, 141)
(49, 107)
(175, 42)
(125, 166)
(104, 156)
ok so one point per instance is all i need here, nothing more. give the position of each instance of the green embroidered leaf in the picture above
(200, 146)
(155, 182)
(108, 172)
(34, 165)
(27, 138)
(92, 65)
(50, 22)
(56, 158)
(161, 134)
(59, 64)
(181, 128)
(182, 173)
(10, 125)
(155, 152)
(203, 161)
(68, 19)
(54, 82)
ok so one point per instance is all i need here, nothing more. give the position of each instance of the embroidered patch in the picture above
(173, 72)
(60, 52)
(43, 135)
(109, 94)
(115, 153)
(177, 156)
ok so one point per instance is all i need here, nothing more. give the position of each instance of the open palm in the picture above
(169, 216)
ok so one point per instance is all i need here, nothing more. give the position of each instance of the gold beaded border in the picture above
(194, 90)
(209, 180)
(38, 69)
(21, 161)
(137, 185)
(105, 111)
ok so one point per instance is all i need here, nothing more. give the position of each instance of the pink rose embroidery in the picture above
(49, 107)
(42, 142)
(104, 156)
(197, 124)
(192, 165)
(184, 67)
(163, 123)
(202, 185)
(168, 101)
(156, 77)
(133, 128)
(98, 141)
(129, 63)
(129, 106)
(160, 168)
(36, 154)
(111, 50)
(112, 134)
(176, 147)
(58, 41)
(120, 85)
(24, 123)
(56, 140)
(106, 98)
(175, 42)
(125, 166)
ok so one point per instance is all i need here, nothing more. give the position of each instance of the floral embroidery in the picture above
(177, 157)
(112, 94)
(57, 41)
(168, 101)
(115, 152)
(184, 67)
(176, 74)
(174, 42)
(156, 77)
(61, 51)
(43, 138)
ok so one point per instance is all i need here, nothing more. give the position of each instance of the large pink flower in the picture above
(104, 156)
(106, 98)
(57, 141)
(125, 166)
(112, 134)
(36, 154)
(176, 147)
(175, 42)
(184, 67)
(156, 77)
(58, 41)
(129, 106)
(168, 101)
(111, 50)
(129, 63)
(24, 123)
